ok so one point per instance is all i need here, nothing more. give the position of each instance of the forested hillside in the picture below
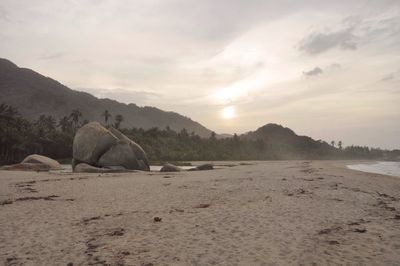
(48, 136)
(35, 95)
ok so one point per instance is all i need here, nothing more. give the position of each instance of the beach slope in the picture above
(263, 213)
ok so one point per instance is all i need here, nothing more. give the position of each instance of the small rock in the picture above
(206, 166)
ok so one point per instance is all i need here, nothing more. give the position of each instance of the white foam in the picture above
(385, 168)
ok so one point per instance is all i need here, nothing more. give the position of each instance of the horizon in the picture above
(334, 75)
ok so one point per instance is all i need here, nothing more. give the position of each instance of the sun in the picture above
(228, 112)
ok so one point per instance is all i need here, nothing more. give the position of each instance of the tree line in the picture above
(48, 136)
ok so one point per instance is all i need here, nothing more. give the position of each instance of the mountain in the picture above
(34, 94)
(282, 143)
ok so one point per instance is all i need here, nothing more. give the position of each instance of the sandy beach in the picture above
(263, 213)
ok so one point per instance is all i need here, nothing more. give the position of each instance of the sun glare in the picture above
(228, 112)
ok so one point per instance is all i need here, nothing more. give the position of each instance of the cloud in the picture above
(334, 66)
(314, 72)
(319, 42)
(55, 55)
(3, 15)
(388, 77)
(318, 70)
(391, 76)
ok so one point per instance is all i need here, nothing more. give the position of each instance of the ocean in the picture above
(385, 168)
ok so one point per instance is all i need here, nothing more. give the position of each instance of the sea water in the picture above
(385, 168)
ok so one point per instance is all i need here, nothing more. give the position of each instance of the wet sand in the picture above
(266, 213)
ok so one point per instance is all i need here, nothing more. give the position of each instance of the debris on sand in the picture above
(5, 202)
(360, 230)
(329, 230)
(51, 197)
(87, 220)
(117, 232)
(333, 242)
(157, 219)
(202, 205)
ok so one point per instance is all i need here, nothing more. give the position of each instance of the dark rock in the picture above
(206, 166)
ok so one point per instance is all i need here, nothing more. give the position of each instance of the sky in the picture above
(326, 69)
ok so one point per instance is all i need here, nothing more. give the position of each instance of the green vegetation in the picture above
(20, 137)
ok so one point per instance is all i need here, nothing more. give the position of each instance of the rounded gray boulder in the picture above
(43, 160)
(140, 154)
(120, 154)
(91, 142)
(98, 147)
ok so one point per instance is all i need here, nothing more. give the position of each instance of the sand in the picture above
(266, 213)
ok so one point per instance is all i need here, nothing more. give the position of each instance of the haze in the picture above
(327, 69)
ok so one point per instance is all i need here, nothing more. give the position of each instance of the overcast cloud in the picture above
(328, 69)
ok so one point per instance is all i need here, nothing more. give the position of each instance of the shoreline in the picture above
(268, 212)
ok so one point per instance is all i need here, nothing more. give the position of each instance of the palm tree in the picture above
(75, 115)
(106, 115)
(340, 144)
(333, 143)
(50, 122)
(8, 112)
(65, 124)
(118, 120)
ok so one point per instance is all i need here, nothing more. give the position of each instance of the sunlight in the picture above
(228, 112)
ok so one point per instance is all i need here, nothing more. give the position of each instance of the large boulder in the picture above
(137, 150)
(43, 160)
(34, 162)
(91, 142)
(100, 148)
(119, 154)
